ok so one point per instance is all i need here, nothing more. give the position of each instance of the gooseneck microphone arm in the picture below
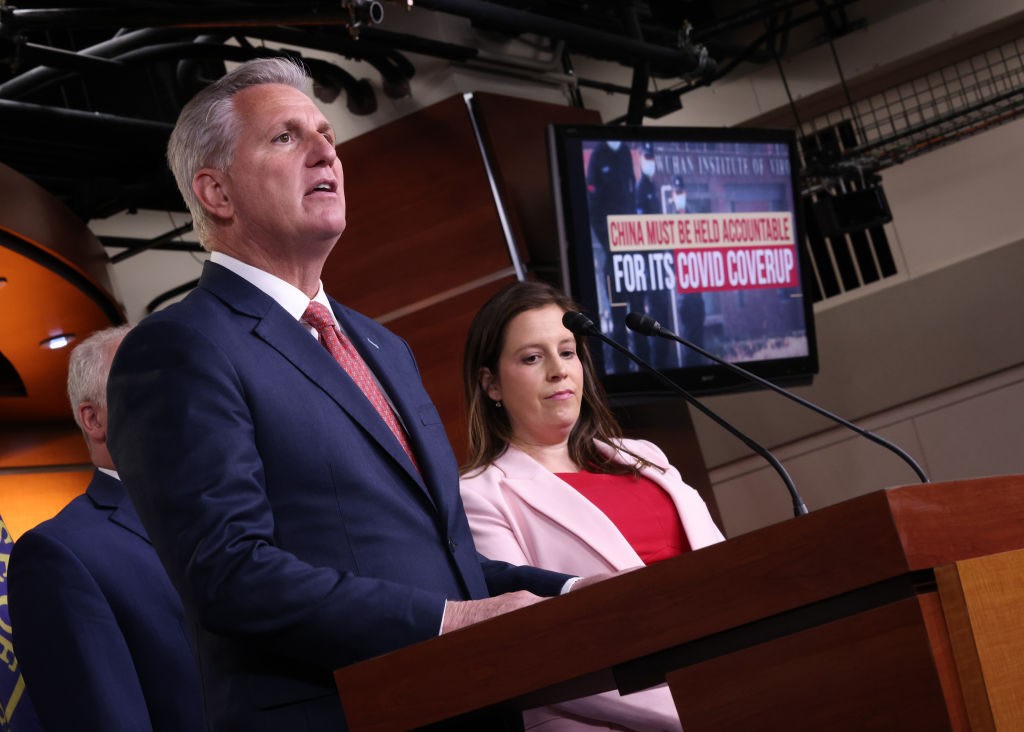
(580, 324)
(646, 325)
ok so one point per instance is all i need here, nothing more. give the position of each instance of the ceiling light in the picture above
(58, 341)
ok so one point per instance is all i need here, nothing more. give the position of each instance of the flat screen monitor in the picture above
(699, 228)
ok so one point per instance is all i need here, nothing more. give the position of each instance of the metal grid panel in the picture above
(937, 109)
(888, 128)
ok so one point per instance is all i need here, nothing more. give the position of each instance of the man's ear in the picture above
(489, 383)
(208, 185)
(93, 422)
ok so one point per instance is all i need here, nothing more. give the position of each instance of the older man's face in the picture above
(285, 182)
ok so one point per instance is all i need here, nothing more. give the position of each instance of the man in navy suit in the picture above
(98, 627)
(299, 531)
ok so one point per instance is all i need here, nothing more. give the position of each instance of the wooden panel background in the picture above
(421, 218)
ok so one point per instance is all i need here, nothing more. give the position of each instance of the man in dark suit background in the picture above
(307, 521)
(648, 195)
(98, 627)
(656, 302)
(692, 309)
(611, 190)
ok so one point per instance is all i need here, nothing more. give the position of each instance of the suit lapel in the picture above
(275, 326)
(108, 493)
(560, 503)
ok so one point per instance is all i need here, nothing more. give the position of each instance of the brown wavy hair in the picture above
(489, 429)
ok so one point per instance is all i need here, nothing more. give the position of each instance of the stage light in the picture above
(842, 213)
(329, 80)
(62, 340)
(366, 11)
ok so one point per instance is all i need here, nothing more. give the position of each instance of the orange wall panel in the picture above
(26, 499)
(32, 447)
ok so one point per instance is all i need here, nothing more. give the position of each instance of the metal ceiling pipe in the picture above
(600, 42)
(686, 60)
(759, 12)
(45, 121)
(155, 243)
(360, 95)
(34, 54)
(416, 44)
(171, 17)
(394, 68)
(43, 76)
(641, 76)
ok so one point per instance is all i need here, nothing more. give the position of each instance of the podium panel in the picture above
(870, 671)
(841, 614)
(982, 600)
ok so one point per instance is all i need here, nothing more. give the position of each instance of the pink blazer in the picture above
(522, 513)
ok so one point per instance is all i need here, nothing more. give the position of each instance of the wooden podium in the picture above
(901, 609)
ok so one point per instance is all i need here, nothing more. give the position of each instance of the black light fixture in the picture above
(362, 13)
(329, 80)
(851, 211)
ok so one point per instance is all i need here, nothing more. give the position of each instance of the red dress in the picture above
(643, 513)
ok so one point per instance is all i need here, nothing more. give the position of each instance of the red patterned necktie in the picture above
(341, 348)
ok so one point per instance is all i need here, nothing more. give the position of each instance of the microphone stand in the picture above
(582, 325)
(646, 325)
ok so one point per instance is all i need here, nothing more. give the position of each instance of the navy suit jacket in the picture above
(98, 628)
(297, 530)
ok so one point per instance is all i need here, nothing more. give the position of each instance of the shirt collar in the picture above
(291, 298)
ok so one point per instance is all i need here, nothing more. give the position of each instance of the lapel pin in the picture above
(370, 340)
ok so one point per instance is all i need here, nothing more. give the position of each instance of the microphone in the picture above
(580, 324)
(646, 325)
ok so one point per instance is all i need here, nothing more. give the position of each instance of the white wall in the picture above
(935, 364)
(958, 201)
(972, 430)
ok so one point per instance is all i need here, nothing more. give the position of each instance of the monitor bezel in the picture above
(569, 188)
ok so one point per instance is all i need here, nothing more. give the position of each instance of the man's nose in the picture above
(322, 151)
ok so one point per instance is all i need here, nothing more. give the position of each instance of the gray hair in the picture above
(204, 135)
(89, 367)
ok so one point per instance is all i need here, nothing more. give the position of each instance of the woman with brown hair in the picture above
(551, 482)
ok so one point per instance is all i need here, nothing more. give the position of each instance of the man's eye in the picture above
(284, 137)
